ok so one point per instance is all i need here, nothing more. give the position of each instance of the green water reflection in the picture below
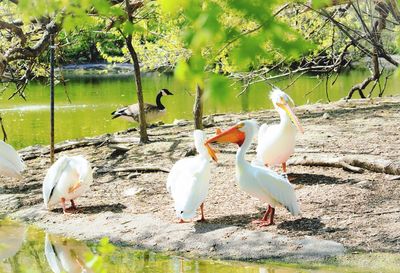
(93, 99)
(27, 249)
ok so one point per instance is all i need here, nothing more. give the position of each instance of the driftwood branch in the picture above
(349, 163)
(145, 169)
(33, 152)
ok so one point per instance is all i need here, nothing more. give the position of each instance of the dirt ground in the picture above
(359, 210)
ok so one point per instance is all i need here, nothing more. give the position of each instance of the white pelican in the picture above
(153, 112)
(11, 163)
(66, 255)
(257, 180)
(276, 142)
(188, 180)
(67, 179)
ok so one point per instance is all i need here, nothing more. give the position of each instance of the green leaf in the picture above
(172, 7)
(182, 71)
(127, 28)
(317, 4)
(105, 247)
(218, 88)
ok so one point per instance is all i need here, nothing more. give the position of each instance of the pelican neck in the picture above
(241, 152)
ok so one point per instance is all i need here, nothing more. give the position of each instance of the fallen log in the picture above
(37, 151)
(146, 169)
(348, 163)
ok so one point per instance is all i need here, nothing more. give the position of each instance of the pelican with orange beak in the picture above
(276, 142)
(258, 181)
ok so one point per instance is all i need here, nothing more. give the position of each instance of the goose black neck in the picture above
(158, 101)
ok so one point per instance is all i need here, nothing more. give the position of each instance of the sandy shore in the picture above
(342, 209)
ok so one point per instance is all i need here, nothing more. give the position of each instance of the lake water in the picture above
(28, 249)
(94, 98)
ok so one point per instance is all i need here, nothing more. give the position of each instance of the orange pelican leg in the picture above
(270, 221)
(267, 219)
(63, 206)
(202, 219)
(284, 167)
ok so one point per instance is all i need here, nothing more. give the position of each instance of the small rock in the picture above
(133, 175)
(190, 152)
(326, 116)
(209, 121)
(180, 122)
(132, 191)
(365, 184)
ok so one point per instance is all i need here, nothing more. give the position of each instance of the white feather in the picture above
(188, 180)
(64, 174)
(11, 163)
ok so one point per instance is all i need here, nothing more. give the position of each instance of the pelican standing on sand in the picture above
(11, 163)
(276, 142)
(153, 112)
(188, 181)
(67, 179)
(256, 180)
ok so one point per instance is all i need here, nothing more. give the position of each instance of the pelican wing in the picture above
(278, 187)
(10, 162)
(53, 177)
(188, 185)
(84, 169)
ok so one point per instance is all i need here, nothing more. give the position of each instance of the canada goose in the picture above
(67, 179)
(153, 112)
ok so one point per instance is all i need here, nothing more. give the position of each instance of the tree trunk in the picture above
(198, 109)
(144, 138)
(52, 98)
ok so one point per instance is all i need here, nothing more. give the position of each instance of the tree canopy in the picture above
(202, 41)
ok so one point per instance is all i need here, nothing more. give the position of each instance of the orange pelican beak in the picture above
(211, 152)
(285, 106)
(232, 135)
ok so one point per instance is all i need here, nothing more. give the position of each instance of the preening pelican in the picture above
(276, 142)
(188, 180)
(11, 163)
(65, 255)
(153, 112)
(67, 179)
(257, 180)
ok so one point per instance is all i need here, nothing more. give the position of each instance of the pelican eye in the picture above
(181, 211)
